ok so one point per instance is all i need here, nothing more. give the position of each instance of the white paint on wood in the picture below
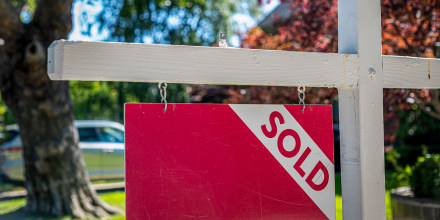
(198, 65)
(371, 131)
(362, 144)
(349, 153)
(54, 57)
(411, 72)
(70, 60)
(348, 117)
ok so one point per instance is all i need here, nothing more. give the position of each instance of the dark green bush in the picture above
(425, 177)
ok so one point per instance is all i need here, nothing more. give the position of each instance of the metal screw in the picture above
(372, 72)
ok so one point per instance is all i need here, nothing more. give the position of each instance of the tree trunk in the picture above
(56, 180)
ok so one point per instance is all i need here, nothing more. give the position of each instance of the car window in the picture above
(88, 135)
(10, 135)
(109, 134)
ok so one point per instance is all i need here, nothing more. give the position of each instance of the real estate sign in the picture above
(209, 161)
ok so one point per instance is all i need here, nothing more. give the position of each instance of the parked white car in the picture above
(101, 142)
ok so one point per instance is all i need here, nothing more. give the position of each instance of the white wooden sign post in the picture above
(359, 71)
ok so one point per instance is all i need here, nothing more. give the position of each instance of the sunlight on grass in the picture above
(116, 199)
(107, 181)
(10, 206)
(338, 207)
(388, 201)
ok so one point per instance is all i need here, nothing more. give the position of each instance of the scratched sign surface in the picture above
(198, 161)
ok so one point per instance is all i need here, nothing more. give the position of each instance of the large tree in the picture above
(56, 179)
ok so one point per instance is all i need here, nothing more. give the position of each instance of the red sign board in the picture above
(203, 161)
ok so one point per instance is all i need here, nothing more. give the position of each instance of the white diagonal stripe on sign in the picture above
(256, 116)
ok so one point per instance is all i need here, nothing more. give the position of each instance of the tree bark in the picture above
(56, 179)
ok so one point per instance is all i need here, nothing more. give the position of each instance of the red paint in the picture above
(282, 149)
(300, 161)
(318, 187)
(312, 121)
(294, 152)
(202, 162)
(273, 132)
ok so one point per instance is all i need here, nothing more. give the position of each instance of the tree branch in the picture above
(54, 18)
(435, 101)
(434, 104)
(430, 113)
(10, 24)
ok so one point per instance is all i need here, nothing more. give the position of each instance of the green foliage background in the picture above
(182, 22)
(425, 177)
(194, 22)
(105, 100)
(417, 131)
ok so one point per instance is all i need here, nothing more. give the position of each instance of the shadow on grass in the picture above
(7, 186)
(14, 209)
(22, 214)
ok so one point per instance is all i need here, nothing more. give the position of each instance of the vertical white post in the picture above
(361, 112)
(349, 153)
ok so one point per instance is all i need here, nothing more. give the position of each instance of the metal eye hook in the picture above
(301, 96)
(222, 42)
(222, 35)
(163, 94)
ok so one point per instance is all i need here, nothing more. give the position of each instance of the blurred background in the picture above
(409, 28)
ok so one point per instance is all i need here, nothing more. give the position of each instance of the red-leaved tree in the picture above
(410, 28)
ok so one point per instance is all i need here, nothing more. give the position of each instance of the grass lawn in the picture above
(339, 199)
(12, 209)
(8, 187)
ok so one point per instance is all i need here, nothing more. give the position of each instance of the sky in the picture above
(245, 21)
(87, 11)
(82, 10)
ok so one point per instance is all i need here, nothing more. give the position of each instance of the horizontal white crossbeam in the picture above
(410, 72)
(103, 61)
(100, 61)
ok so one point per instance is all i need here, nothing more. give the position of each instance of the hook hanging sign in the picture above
(301, 96)
(163, 94)
(229, 162)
